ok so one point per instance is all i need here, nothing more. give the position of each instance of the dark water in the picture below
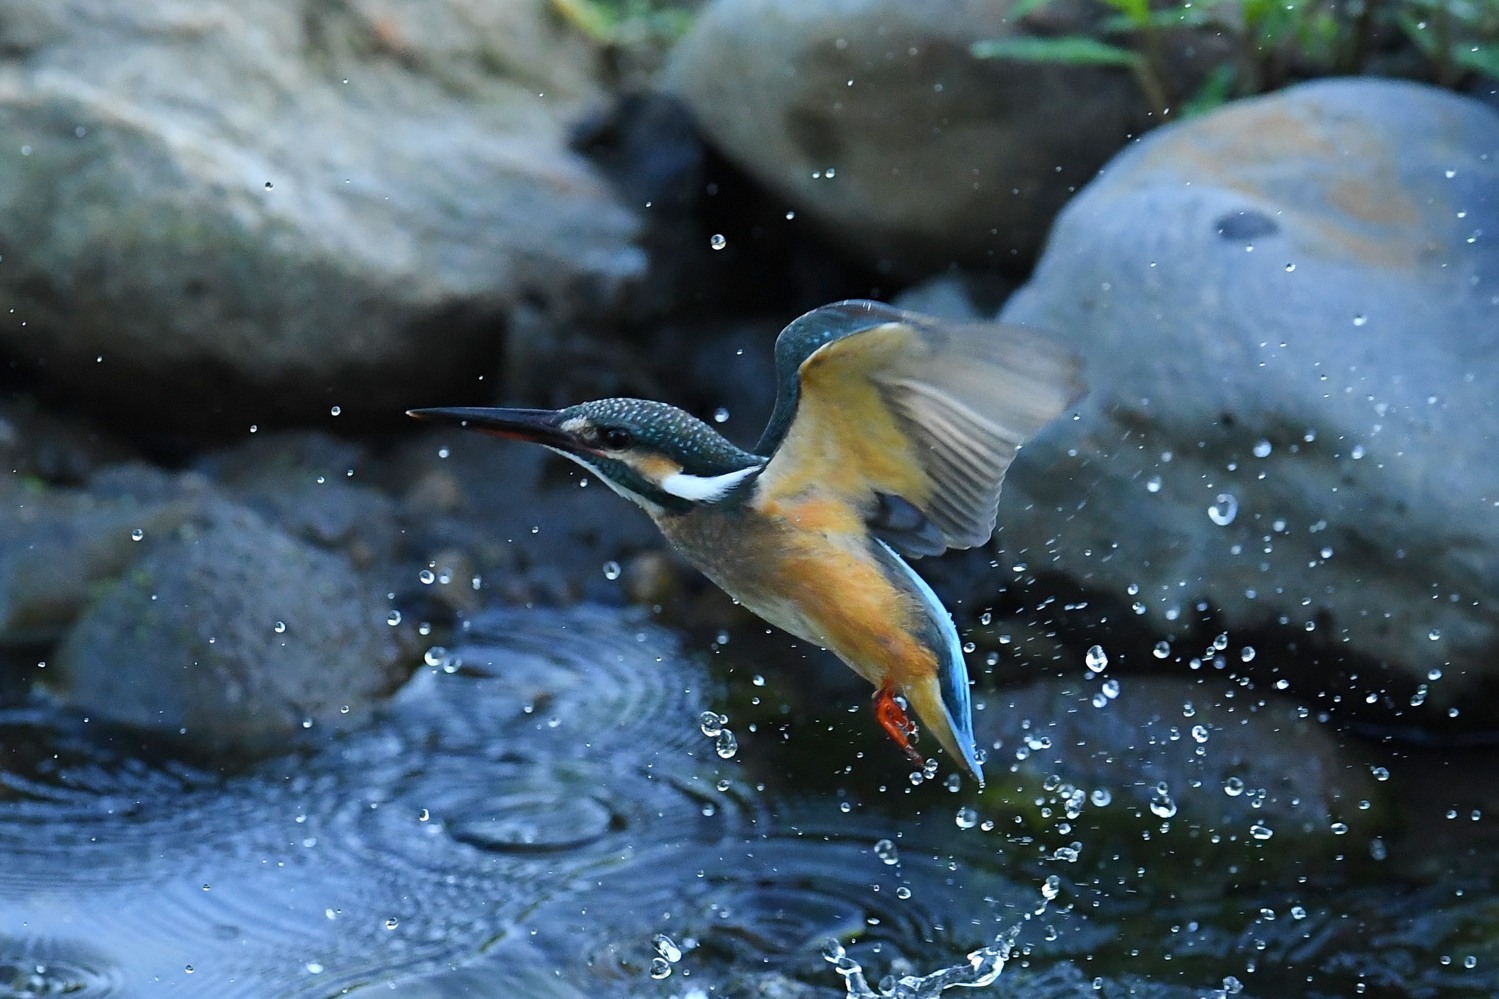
(533, 811)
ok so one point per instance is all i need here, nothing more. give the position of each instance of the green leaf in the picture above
(1423, 39)
(1072, 50)
(1213, 93)
(1480, 58)
(1025, 8)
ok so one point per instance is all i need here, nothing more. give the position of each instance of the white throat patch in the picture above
(705, 488)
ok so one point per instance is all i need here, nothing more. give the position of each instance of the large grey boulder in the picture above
(1289, 311)
(234, 635)
(214, 211)
(874, 119)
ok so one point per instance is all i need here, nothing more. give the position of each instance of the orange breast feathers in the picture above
(829, 572)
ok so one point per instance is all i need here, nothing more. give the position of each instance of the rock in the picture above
(213, 215)
(874, 119)
(1289, 312)
(56, 546)
(234, 636)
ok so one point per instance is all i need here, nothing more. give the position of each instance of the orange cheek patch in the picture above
(653, 467)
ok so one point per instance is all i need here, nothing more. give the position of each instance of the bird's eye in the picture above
(616, 438)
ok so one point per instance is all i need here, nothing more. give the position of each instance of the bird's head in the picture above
(662, 458)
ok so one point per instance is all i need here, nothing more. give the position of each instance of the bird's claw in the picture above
(897, 724)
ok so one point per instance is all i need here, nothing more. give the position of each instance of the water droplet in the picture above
(717, 241)
(1339, 828)
(1096, 659)
(1224, 509)
(660, 968)
(1233, 787)
(666, 947)
(1161, 650)
(712, 723)
(727, 745)
(1261, 831)
(903, 892)
(1110, 689)
(1290, 268)
(1101, 796)
(1262, 449)
(1380, 773)
(426, 577)
(392, 923)
(1161, 803)
(720, 415)
(1153, 484)
(1359, 320)
(435, 656)
(423, 815)
(1246, 654)
(885, 850)
(137, 534)
(314, 967)
(393, 618)
(1200, 733)
(335, 411)
(967, 818)
(1434, 634)
(611, 570)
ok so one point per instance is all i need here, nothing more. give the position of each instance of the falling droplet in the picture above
(727, 745)
(660, 968)
(717, 241)
(967, 818)
(426, 577)
(393, 618)
(137, 534)
(1262, 449)
(280, 628)
(667, 947)
(885, 850)
(611, 570)
(712, 723)
(1096, 659)
(1359, 320)
(1224, 509)
(1261, 831)
(335, 411)
(1161, 803)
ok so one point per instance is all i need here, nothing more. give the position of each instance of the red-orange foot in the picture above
(897, 724)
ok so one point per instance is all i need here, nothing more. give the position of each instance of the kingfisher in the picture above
(890, 437)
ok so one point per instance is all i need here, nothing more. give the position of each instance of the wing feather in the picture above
(884, 403)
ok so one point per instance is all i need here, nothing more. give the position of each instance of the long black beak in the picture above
(541, 426)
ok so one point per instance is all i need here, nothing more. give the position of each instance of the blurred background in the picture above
(299, 698)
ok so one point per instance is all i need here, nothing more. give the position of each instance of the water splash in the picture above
(981, 967)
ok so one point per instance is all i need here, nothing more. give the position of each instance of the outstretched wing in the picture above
(911, 419)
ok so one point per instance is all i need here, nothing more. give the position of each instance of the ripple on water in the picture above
(767, 902)
(31, 968)
(552, 800)
(588, 678)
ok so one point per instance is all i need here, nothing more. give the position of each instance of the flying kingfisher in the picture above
(890, 436)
